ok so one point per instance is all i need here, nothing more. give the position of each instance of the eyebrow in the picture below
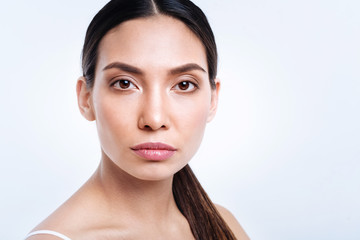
(123, 66)
(186, 68)
(177, 70)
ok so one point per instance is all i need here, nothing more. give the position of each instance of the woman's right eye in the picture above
(123, 84)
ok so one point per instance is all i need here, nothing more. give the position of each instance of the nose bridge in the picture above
(154, 113)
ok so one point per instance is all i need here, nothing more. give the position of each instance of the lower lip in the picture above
(154, 154)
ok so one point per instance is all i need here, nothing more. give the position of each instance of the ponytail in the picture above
(193, 202)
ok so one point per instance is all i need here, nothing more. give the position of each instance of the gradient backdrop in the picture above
(282, 153)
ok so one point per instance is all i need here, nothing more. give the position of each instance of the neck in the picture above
(125, 194)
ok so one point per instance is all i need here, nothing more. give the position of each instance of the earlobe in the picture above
(214, 100)
(84, 99)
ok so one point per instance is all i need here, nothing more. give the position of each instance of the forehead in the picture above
(153, 42)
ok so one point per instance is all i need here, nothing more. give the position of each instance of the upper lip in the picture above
(153, 146)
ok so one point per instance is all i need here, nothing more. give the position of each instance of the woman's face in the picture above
(151, 97)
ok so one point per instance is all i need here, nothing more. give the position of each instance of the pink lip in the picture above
(154, 151)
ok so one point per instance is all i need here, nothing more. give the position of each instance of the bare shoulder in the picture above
(52, 224)
(68, 220)
(43, 237)
(232, 222)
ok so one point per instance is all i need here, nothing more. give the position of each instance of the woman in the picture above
(149, 69)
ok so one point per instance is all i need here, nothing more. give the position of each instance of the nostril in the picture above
(148, 127)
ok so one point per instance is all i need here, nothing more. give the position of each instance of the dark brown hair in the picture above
(193, 202)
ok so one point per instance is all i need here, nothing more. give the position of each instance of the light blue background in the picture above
(282, 154)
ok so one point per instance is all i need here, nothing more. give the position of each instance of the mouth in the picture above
(154, 151)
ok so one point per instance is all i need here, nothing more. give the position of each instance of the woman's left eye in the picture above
(185, 86)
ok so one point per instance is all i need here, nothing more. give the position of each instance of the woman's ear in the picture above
(84, 99)
(214, 100)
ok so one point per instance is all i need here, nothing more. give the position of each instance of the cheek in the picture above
(196, 108)
(114, 118)
(191, 121)
(195, 119)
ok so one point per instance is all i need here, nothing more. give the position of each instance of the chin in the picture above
(156, 172)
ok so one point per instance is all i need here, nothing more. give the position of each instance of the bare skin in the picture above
(95, 212)
(130, 197)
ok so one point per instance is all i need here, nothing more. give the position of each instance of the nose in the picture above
(154, 112)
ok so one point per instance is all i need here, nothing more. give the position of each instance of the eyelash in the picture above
(190, 83)
(119, 81)
(193, 86)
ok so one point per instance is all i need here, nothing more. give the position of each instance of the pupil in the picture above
(184, 85)
(124, 84)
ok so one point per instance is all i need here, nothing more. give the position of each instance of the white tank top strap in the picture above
(49, 232)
